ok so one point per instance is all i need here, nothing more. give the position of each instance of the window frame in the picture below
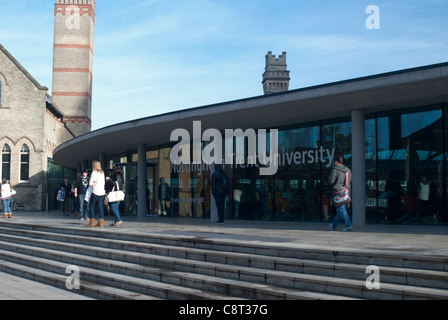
(6, 152)
(24, 150)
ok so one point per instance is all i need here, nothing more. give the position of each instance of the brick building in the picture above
(34, 122)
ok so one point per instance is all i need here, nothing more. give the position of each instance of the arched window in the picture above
(24, 163)
(6, 162)
(0, 93)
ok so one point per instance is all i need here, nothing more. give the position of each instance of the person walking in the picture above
(81, 186)
(67, 189)
(220, 188)
(97, 182)
(117, 179)
(6, 199)
(340, 177)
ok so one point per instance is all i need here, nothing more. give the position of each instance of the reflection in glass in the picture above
(405, 173)
(410, 154)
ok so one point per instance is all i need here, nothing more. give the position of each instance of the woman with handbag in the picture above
(117, 179)
(97, 182)
(341, 178)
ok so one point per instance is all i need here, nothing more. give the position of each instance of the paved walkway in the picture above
(16, 288)
(420, 240)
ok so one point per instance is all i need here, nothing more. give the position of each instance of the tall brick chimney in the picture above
(72, 62)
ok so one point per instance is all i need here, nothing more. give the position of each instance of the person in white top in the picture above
(237, 194)
(97, 182)
(423, 197)
(6, 199)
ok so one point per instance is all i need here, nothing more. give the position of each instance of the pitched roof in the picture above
(21, 68)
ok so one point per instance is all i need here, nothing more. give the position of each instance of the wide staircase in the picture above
(120, 265)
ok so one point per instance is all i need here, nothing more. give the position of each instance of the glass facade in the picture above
(405, 159)
(55, 177)
(408, 166)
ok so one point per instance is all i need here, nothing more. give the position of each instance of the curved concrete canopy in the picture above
(401, 89)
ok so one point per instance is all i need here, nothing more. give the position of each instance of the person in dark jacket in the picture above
(117, 179)
(81, 186)
(67, 189)
(220, 188)
(338, 180)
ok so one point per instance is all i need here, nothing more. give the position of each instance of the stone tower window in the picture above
(24, 163)
(6, 162)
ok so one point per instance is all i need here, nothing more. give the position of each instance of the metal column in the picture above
(141, 196)
(358, 168)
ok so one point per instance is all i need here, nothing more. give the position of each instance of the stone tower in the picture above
(276, 76)
(72, 62)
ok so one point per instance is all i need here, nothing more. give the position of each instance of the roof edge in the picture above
(329, 84)
(21, 68)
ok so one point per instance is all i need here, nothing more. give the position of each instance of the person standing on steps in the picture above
(340, 177)
(6, 199)
(97, 182)
(67, 189)
(117, 179)
(81, 186)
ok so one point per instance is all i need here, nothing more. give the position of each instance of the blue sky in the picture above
(157, 56)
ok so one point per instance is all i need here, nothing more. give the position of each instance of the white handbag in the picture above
(88, 194)
(115, 195)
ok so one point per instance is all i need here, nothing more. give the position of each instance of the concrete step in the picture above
(395, 275)
(416, 277)
(98, 258)
(133, 286)
(87, 289)
(372, 257)
(225, 268)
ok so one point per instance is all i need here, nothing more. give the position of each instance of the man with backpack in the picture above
(220, 188)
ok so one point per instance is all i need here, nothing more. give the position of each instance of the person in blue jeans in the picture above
(81, 186)
(117, 178)
(97, 181)
(337, 180)
(6, 199)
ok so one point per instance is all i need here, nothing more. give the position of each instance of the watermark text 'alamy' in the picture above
(212, 152)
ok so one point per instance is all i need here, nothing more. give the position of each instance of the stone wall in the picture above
(22, 123)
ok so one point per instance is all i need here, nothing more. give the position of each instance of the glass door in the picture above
(130, 188)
